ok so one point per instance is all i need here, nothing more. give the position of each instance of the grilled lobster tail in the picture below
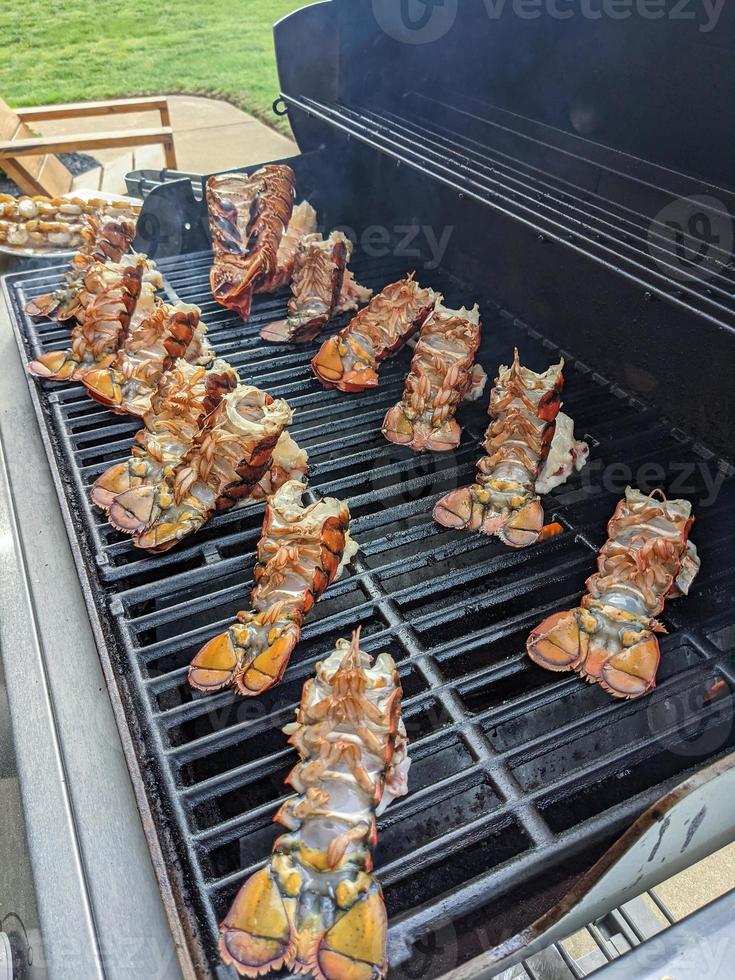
(443, 371)
(105, 240)
(153, 345)
(316, 288)
(184, 396)
(301, 551)
(302, 224)
(106, 300)
(610, 638)
(227, 458)
(349, 360)
(248, 215)
(503, 501)
(316, 906)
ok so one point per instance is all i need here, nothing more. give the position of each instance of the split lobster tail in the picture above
(503, 501)
(610, 638)
(443, 372)
(248, 216)
(252, 655)
(350, 359)
(316, 907)
(302, 550)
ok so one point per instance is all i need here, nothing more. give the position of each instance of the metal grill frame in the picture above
(167, 806)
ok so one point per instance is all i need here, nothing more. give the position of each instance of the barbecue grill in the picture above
(534, 798)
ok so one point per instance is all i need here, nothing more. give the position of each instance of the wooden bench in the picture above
(31, 161)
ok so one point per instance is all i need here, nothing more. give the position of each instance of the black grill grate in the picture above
(516, 771)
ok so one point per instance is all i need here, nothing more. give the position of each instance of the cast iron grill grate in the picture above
(515, 770)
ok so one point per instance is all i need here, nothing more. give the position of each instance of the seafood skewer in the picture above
(443, 372)
(105, 240)
(44, 222)
(504, 499)
(185, 396)
(67, 209)
(301, 551)
(248, 215)
(41, 233)
(155, 341)
(316, 906)
(610, 639)
(106, 299)
(316, 288)
(227, 458)
(349, 360)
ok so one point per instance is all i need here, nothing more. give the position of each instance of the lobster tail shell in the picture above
(316, 288)
(56, 365)
(349, 360)
(132, 510)
(106, 240)
(316, 907)
(609, 639)
(43, 305)
(561, 642)
(440, 376)
(300, 553)
(248, 215)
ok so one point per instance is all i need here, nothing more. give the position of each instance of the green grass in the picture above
(84, 49)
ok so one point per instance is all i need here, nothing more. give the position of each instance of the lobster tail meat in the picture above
(302, 224)
(248, 215)
(227, 458)
(316, 906)
(610, 638)
(105, 303)
(301, 551)
(155, 341)
(316, 288)
(443, 371)
(104, 240)
(504, 500)
(566, 454)
(184, 396)
(353, 295)
(349, 360)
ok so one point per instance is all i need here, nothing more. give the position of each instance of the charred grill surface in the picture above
(516, 771)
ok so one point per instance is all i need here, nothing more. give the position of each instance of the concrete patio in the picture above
(209, 134)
